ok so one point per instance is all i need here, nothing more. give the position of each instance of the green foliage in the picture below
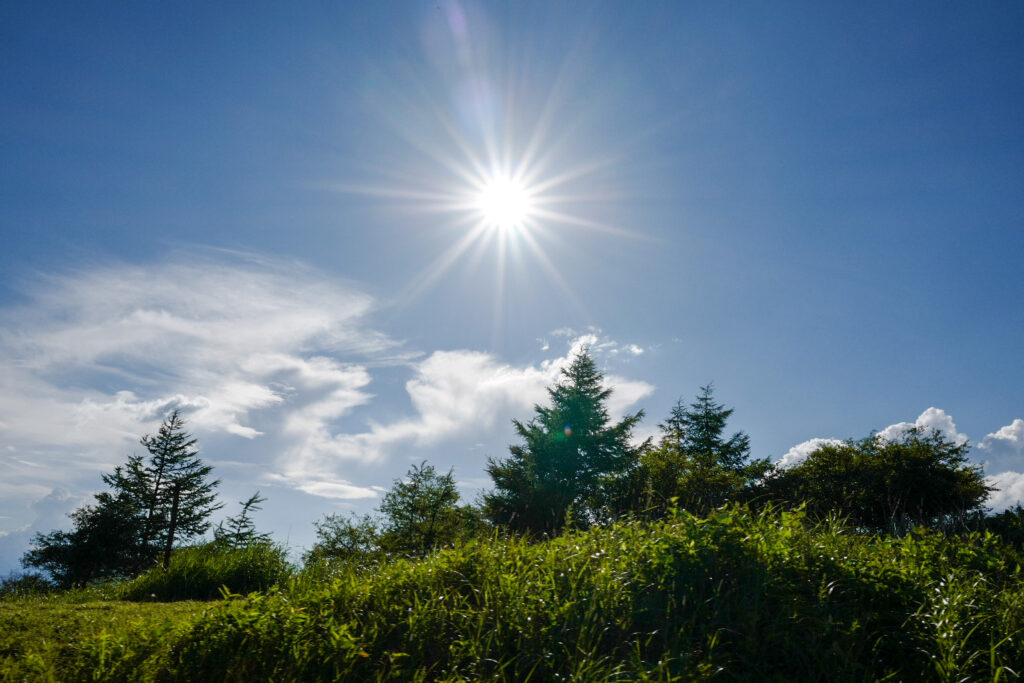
(698, 429)
(104, 543)
(344, 539)
(734, 596)
(420, 512)
(885, 485)
(571, 459)
(24, 585)
(694, 467)
(240, 531)
(697, 482)
(150, 503)
(44, 638)
(1008, 525)
(201, 572)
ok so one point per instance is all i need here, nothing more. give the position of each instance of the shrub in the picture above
(200, 572)
(24, 585)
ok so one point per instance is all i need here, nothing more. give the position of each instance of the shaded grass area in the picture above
(737, 596)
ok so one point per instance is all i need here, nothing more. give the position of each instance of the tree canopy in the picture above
(885, 485)
(421, 511)
(417, 515)
(699, 429)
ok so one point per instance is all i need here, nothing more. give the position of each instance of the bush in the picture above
(885, 485)
(200, 572)
(25, 585)
(1008, 525)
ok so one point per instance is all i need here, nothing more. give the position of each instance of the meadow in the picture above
(736, 595)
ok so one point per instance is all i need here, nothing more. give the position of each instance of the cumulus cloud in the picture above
(931, 419)
(1008, 490)
(454, 394)
(1005, 447)
(798, 453)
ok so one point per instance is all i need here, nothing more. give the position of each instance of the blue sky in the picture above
(269, 217)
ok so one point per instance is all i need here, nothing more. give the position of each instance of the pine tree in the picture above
(570, 458)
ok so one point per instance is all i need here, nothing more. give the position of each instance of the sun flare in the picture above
(504, 203)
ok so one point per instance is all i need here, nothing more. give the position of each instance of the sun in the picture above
(504, 203)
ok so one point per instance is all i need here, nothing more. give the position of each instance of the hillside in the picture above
(737, 596)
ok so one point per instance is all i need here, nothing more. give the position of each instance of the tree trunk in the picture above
(174, 522)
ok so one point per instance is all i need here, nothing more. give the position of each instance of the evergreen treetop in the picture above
(698, 429)
(569, 459)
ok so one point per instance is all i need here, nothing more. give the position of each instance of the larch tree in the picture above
(239, 531)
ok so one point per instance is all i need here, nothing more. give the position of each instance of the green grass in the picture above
(201, 572)
(737, 596)
(42, 638)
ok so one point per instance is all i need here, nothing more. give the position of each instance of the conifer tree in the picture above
(699, 427)
(570, 458)
(179, 498)
(151, 504)
(240, 531)
(694, 466)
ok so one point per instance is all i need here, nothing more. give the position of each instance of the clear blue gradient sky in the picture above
(266, 216)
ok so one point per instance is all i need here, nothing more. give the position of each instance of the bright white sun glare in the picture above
(499, 172)
(504, 203)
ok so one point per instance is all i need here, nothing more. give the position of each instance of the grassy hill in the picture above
(736, 596)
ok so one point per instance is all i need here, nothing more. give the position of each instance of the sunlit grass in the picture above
(737, 596)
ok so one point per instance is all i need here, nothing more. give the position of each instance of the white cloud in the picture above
(931, 419)
(1005, 447)
(97, 358)
(1009, 490)
(454, 394)
(270, 362)
(798, 453)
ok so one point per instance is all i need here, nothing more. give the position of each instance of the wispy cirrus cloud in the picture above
(96, 358)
